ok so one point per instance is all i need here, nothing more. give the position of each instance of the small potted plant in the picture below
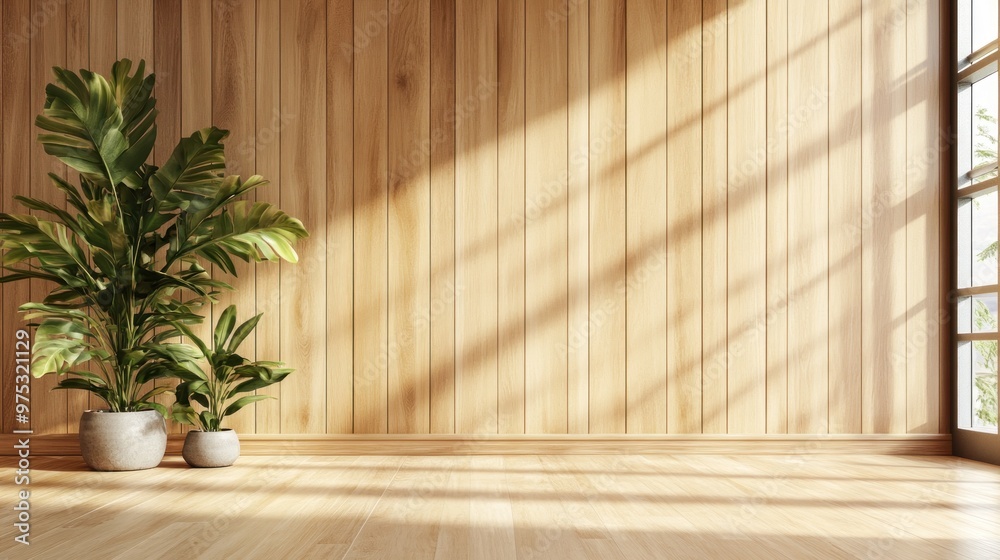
(217, 391)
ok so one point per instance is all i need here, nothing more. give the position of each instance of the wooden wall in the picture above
(551, 216)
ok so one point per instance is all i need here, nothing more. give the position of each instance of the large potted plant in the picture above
(218, 390)
(130, 240)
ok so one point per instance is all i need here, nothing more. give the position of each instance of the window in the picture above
(978, 211)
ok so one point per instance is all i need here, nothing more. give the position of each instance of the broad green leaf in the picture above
(105, 130)
(84, 385)
(193, 171)
(183, 329)
(183, 414)
(153, 392)
(200, 398)
(92, 378)
(257, 378)
(182, 394)
(243, 401)
(148, 405)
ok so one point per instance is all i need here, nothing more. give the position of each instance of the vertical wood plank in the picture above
(167, 53)
(443, 288)
(103, 34)
(77, 57)
(103, 51)
(47, 37)
(196, 93)
(808, 351)
(577, 216)
(510, 214)
(646, 207)
(946, 219)
(135, 31)
(747, 218)
(233, 103)
(714, 243)
(475, 217)
(370, 226)
(546, 184)
(606, 324)
(845, 217)
(924, 321)
(303, 147)
(135, 42)
(777, 216)
(684, 197)
(884, 218)
(15, 177)
(340, 220)
(7, 382)
(196, 66)
(409, 218)
(273, 117)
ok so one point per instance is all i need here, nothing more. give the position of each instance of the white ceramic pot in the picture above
(122, 441)
(211, 449)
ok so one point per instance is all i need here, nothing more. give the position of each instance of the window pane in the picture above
(977, 385)
(984, 240)
(964, 31)
(977, 314)
(984, 384)
(964, 252)
(984, 22)
(964, 397)
(984, 116)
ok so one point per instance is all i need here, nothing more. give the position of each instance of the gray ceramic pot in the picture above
(211, 449)
(122, 441)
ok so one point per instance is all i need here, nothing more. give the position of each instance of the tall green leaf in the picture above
(224, 327)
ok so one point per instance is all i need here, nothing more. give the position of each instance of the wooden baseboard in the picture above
(263, 444)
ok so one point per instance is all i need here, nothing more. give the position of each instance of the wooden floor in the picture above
(627, 507)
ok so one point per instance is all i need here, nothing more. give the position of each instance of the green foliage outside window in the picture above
(985, 150)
